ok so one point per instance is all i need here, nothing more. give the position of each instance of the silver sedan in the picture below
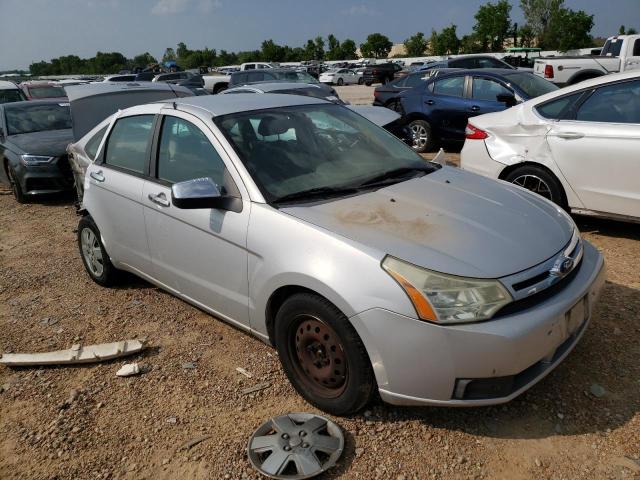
(304, 224)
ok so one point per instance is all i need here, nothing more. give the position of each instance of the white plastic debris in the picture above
(76, 354)
(128, 369)
(243, 372)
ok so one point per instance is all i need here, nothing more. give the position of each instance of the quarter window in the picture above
(128, 143)
(555, 109)
(453, 86)
(186, 153)
(619, 103)
(92, 145)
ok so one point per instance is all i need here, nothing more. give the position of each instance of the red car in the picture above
(43, 90)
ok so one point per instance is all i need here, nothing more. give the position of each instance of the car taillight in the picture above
(376, 93)
(548, 71)
(474, 133)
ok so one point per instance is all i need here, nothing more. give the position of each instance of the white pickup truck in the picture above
(215, 83)
(619, 54)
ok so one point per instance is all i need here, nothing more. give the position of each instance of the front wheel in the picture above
(360, 81)
(322, 355)
(368, 84)
(94, 256)
(540, 181)
(422, 138)
(340, 82)
(15, 185)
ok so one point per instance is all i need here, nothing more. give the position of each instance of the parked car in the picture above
(388, 95)
(192, 81)
(216, 83)
(270, 75)
(129, 77)
(306, 89)
(471, 61)
(342, 76)
(620, 53)
(439, 109)
(91, 109)
(578, 147)
(10, 92)
(36, 90)
(257, 66)
(33, 138)
(380, 73)
(302, 223)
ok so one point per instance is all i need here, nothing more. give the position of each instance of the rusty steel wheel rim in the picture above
(318, 356)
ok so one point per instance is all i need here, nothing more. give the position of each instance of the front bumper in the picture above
(421, 363)
(44, 179)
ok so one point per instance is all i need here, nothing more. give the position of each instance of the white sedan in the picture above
(344, 76)
(578, 146)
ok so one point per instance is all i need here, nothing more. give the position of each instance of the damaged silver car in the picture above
(369, 269)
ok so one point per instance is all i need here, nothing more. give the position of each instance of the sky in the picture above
(34, 30)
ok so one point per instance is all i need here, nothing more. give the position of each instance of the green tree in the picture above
(182, 51)
(309, 50)
(348, 49)
(568, 29)
(448, 41)
(376, 46)
(493, 23)
(538, 14)
(272, 52)
(470, 44)
(319, 48)
(143, 60)
(169, 55)
(526, 36)
(415, 45)
(334, 51)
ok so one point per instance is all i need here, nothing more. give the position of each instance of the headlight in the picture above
(35, 159)
(442, 298)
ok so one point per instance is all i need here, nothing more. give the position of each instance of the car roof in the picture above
(33, 103)
(274, 86)
(75, 92)
(243, 102)
(5, 85)
(490, 72)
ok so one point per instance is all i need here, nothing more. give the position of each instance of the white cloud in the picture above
(362, 9)
(172, 7)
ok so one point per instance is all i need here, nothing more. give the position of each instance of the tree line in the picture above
(549, 25)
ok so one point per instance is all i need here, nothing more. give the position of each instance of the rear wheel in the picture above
(340, 81)
(368, 84)
(422, 137)
(540, 181)
(395, 106)
(94, 256)
(360, 81)
(15, 185)
(322, 355)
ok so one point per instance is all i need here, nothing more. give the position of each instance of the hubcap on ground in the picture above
(91, 252)
(420, 136)
(319, 357)
(295, 446)
(534, 184)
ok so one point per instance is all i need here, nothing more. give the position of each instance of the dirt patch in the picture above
(383, 217)
(85, 423)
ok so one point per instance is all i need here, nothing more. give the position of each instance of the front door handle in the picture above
(159, 199)
(430, 102)
(475, 108)
(570, 135)
(97, 176)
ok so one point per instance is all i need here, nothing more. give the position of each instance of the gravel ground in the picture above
(85, 423)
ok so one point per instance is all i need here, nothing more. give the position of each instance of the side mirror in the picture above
(507, 98)
(202, 193)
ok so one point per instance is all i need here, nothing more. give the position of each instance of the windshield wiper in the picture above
(394, 174)
(318, 192)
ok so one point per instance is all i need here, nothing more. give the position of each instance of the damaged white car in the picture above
(578, 146)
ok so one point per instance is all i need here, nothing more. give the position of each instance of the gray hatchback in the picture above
(303, 223)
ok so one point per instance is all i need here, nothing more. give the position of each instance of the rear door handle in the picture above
(97, 176)
(430, 102)
(475, 108)
(159, 199)
(570, 135)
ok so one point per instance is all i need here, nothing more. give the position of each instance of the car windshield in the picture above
(11, 95)
(293, 76)
(37, 118)
(47, 92)
(532, 85)
(292, 150)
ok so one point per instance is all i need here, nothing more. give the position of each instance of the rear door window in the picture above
(451, 86)
(128, 143)
(558, 108)
(488, 89)
(618, 103)
(414, 80)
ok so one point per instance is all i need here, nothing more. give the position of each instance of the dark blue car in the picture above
(438, 109)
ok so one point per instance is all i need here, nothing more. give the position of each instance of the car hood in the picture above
(52, 143)
(449, 221)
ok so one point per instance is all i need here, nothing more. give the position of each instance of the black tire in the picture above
(368, 84)
(220, 88)
(109, 275)
(385, 80)
(423, 139)
(360, 81)
(340, 82)
(540, 181)
(15, 185)
(394, 105)
(353, 384)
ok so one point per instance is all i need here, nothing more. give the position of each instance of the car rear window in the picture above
(47, 92)
(37, 118)
(11, 95)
